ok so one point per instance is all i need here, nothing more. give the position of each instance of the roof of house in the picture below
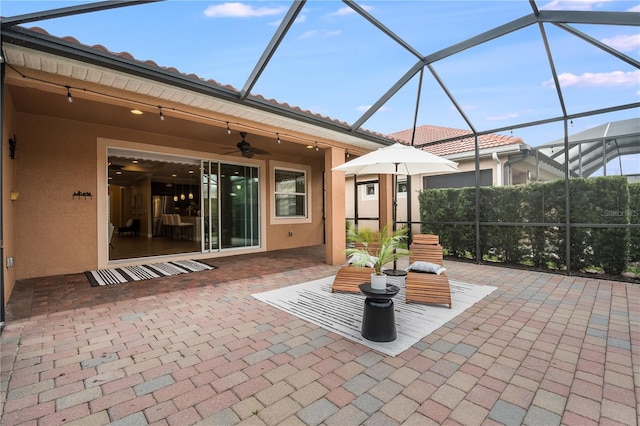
(124, 61)
(430, 134)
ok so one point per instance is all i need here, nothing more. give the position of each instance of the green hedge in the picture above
(595, 200)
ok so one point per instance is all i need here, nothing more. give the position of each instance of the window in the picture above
(402, 187)
(370, 191)
(290, 193)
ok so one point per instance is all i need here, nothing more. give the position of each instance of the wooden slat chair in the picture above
(350, 277)
(426, 287)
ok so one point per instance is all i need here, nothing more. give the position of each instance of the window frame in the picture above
(373, 195)
(296, 168)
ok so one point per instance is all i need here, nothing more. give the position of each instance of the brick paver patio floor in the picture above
(543, 349)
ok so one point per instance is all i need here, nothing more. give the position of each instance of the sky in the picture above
(334, 63)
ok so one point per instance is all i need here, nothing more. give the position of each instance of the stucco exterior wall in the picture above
(57, 234)
(8, 185)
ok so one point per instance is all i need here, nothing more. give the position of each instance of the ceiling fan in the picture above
(246, 149)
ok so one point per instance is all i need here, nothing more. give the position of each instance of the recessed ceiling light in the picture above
(309, 146)
(136, 112)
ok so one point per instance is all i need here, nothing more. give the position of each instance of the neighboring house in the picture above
(503, 160)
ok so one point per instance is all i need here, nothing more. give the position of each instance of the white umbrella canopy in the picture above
(398, 159)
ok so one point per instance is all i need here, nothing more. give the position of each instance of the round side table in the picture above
(378, 317)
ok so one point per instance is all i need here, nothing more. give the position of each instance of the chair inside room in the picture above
(132, 227)
(167, 224)
(427, 287)
(183, 226)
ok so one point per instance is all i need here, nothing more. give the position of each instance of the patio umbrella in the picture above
(398, 159)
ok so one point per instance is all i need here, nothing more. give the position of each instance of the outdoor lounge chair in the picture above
(349, 278)
(427, 287)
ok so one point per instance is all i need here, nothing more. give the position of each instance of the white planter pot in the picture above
(378, 282)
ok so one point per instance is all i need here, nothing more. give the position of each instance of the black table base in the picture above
(378, 317)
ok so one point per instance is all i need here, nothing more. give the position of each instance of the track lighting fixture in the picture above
(278, 136)
(348, 155)
(317, 149)
(69, 98)
(161, 114)
(228, 129)
(174, 175)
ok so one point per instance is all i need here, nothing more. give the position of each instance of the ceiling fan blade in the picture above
(260, 151)
(231, 152)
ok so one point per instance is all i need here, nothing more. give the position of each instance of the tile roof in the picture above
(427, 134)
(213, 83)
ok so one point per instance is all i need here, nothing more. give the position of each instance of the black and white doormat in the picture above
(341, 313)
(144, 272)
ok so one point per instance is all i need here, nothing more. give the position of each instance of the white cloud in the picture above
(502, 117)
(343, 11)
(319, 34)
(573, 4)
(240, 10)
(624, 43)
(308, 34)
(593, 79)
(635, 8)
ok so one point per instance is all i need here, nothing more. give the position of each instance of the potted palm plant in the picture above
(376, 249)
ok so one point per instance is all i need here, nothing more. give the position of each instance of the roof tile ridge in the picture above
(193, 76)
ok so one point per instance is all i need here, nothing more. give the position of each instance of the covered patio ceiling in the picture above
(418, 86)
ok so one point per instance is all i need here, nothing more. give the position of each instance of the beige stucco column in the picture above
(385, 200)
(335, 216)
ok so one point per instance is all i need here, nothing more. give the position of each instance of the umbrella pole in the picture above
(395, 272)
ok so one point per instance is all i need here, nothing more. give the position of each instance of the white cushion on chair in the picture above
(129, 223)
(427, 267)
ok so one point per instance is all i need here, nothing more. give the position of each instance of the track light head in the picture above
(228, 129)
(69, 97)
(161, 114)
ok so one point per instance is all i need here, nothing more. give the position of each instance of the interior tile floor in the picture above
(543, 349)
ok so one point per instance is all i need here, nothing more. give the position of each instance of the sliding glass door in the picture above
(231, 211)
(210, 206)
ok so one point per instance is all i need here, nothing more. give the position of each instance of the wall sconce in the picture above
(78, 194)
(12, 147)
(14, 195)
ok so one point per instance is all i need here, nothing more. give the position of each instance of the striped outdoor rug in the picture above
(144, 272)
(341, 313)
